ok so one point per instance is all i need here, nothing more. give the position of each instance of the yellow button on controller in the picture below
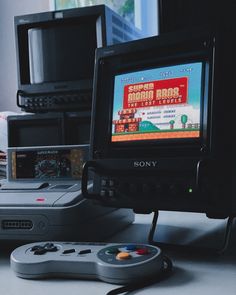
(123, 256)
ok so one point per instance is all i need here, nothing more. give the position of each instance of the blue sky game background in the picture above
(160, 116)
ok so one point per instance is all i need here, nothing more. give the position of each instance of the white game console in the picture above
(42, 199)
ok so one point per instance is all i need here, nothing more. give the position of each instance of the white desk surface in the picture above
(193, 273)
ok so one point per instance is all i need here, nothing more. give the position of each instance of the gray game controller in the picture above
(112, 263)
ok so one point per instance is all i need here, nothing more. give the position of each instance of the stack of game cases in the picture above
(3, 164)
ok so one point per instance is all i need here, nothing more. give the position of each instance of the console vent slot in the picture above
(17, 224)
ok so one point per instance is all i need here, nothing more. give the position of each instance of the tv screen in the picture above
(35, 135)
(35, 130)
(59, 51)
(158, 103)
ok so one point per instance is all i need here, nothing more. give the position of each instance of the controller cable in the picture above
(164, 273)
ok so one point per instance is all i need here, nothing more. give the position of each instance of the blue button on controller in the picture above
(130, 247)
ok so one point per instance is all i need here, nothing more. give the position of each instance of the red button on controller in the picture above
(142, 251)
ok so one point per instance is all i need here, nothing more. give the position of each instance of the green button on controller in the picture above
(112, 251)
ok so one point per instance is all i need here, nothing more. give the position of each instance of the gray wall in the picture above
(8, 75)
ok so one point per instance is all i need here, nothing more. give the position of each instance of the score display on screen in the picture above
(159, 103)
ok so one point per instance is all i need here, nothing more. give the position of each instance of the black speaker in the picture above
(183, 14)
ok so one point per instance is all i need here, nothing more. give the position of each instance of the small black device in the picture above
(55, 55)
(48, 129)
(162, 132)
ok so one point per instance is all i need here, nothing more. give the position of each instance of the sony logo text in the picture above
(144, 164)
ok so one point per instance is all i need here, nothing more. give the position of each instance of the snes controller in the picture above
(112, 263)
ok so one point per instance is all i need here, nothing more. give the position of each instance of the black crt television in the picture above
(55, 55)
(162, 134)
(49, 129)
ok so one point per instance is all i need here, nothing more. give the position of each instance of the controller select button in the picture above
(123, 256)
(142, 251)
(68, 251)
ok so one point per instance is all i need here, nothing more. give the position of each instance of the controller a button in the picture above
(68, 251)
(87, 251)
(123, 256)
(142, 251)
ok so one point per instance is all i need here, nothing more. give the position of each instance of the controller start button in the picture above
(123, 256)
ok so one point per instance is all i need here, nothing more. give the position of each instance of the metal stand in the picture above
(221, 250)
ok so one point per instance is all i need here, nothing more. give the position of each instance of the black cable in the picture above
(227, 236)
(153, 228)
(140, 284)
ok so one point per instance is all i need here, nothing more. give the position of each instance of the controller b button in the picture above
(123, 256)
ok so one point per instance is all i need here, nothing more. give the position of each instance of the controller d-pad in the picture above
(50, 247)
(42, 249)
(37, 247)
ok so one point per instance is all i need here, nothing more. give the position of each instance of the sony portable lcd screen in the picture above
(158, 103)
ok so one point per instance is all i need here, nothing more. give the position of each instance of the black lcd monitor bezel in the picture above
(43, 20)
(170, 50)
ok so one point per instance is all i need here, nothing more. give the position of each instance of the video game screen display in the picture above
(158, 103)
(48, 164)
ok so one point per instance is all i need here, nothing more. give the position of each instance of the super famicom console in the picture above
(42, 199)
